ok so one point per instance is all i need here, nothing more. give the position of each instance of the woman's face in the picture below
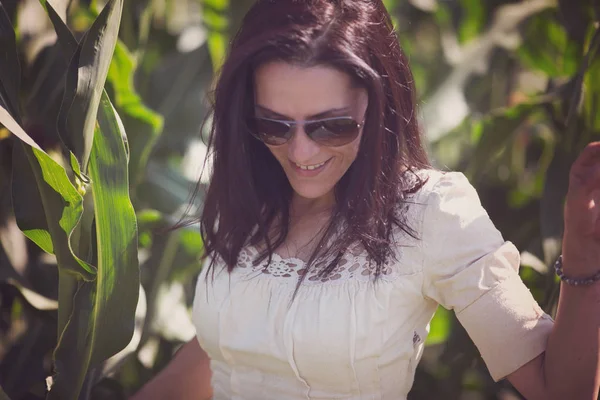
(289, 92)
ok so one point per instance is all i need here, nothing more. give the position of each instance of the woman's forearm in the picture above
(572, 359)
(186, 377)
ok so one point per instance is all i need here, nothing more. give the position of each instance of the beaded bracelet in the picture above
(574, 281)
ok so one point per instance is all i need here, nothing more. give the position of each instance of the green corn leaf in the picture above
(58, 206)
(86, 77)
(546, 47)
(440, 327)
(73, 352)
(118, 268)
(102, 321)
(58, 17)
(551, 205)
(27, 205)
(83, 236)
(493, 134)
(10, 70)
(578, 92)
(592, 96)
(217, 23)
(144, 125)
(473, 21)
(62, 207)
(60, 7)
(61, 201)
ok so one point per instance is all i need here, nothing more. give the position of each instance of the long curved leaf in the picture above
(60, 7)
(27, 202)
(102, 322)
(85, 81)
(147, 123)
(61, 201)
(116, 225)
(58, 17)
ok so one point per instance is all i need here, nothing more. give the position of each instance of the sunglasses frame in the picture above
(292, 126)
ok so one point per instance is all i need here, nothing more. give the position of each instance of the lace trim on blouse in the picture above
(354, 264)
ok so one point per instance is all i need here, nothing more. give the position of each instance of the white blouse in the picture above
(346, 337)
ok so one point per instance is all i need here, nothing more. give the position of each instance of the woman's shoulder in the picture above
(448, 204)
(445, 198)
(433, 188)
(436, 181)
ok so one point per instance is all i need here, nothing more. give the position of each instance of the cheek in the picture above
(351, 152)
(355, 149)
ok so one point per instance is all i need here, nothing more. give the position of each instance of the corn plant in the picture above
(81, 213)
(509, 113)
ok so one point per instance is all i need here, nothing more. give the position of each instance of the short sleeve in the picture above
(469, 268)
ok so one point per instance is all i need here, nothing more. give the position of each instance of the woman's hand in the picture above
(581, 240)
(186, 377)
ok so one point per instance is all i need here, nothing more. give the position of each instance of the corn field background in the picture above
(101, 108)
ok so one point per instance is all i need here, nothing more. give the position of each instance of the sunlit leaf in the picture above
(547, 47)
(102, 321)
(578, 90)
(35, 299)
(149, 217)
(13, 245)
(473, 19)
(62, 203)
(217, 24)
(443, 16)
(85, 81)
(592, 96)
(148, 123)
(221, 5)
(492, 136)
(215, 20)
(191, 241)
(27, 205)
(440, 327)
(118, 271)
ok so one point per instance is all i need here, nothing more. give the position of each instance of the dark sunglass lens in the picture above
(271, 132)
(333, 132)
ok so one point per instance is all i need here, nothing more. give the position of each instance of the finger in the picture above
(587, 159)
(584, 180)
(589, 156)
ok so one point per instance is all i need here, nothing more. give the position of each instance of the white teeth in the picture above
(309, 167)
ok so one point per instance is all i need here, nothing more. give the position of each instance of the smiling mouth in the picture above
(310, 167)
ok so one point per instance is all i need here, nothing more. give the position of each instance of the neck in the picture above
(302, 206)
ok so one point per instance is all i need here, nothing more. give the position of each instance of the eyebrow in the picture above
(310, 117)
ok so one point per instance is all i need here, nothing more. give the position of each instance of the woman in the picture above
(331, 240)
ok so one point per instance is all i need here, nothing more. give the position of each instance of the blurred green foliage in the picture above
(509, 93)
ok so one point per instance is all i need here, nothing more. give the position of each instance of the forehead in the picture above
(298, 91)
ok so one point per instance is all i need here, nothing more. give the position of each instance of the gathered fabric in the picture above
(349, 336)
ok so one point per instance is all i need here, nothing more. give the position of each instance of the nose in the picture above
(301, 148)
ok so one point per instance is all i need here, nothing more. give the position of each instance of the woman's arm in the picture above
(570, 367)
(186, 377)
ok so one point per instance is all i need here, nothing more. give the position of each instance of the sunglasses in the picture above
(331, 132)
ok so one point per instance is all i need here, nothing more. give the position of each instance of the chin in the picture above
(312, 193)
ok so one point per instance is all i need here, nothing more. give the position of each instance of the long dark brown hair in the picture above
(249, 193)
